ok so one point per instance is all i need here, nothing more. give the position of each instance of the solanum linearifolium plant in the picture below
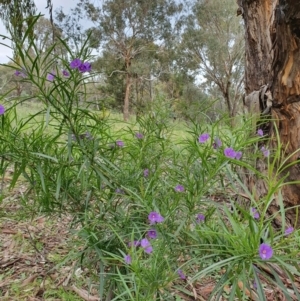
(145, 205)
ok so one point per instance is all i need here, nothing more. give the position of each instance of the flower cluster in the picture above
(153, 217)
(81, 66)
(228, 152)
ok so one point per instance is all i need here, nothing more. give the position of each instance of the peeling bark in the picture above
(272, 35)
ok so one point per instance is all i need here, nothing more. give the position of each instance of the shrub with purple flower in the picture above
(2, 109)
(265, 151)
(288, 231)
(200, 218)
(134, 243)
(146, 173)
(217, 143)
(229, 152)
(179, 188)
(145, 244)
(181, 274)
(88, 66)
(127, 259)
(120, 191)
(139, 135)
(50, 77)
(265, 251)
(260, 132)
(155, 217)
(20, 73)
(75, 63)
(65, 73)
(120, 143)
(152, 233)
(238, 155)
(203, 138)
(255, 213)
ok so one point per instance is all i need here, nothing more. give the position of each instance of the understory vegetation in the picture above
(155, 207)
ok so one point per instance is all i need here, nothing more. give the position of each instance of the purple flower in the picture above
(255, 213)
(20, 73)
(148, 249)
(75, 63)
(120, 143)
(265, 151)
(139, 135)
(127, 259)
(254, 285)
(155, 217)
(217, 143)
(152, 233)
(260, 132)
(88, 66)
(120, 191)
(229, 152)
(181, 274)
(134, 243)
(238, 155)
(84, 67)
(146, 173)
(88, 135)
(145, 244)
(288, 231)
(265, 251)
(203, 138)
(2, 110)
(179, 188)
(65, 73)
(50, 77)
(200, 218)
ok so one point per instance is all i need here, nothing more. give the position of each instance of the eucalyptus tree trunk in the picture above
(128, 83)
(272, 82)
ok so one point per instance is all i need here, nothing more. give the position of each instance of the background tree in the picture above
(14, 13)
(127, 28)
(272, 83)
(212, 45)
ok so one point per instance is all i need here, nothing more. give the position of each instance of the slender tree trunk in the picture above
(126, 98)
(272, 34)
(128, 83)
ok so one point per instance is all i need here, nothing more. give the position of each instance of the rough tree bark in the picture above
(272, 35)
